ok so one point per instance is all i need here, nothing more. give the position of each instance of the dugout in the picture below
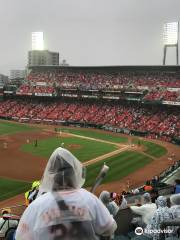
(138, 133)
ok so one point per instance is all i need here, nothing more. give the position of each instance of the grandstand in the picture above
(142, 100)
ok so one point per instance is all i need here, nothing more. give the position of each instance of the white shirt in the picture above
(146, 211)
(45, 215)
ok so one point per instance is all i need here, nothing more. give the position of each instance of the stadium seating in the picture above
(100, 80)
(37, 90)
(155, 86)
(157, 122)
(151, 85)
(163, 95)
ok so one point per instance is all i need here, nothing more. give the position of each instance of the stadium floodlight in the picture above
(37, 41)
(171, 37)
(171, 33)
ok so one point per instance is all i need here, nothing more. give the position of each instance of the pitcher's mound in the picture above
(74, 146)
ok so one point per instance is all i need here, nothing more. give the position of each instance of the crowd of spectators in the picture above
(157, 122)
(155, 86)
(150, 211)
(163, 95)
(36, 89)
(102, 80)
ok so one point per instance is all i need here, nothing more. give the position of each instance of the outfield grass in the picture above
(87, 150)
(120, 165)
(11, 128)
(95, 134)
(10, 188)
(151, 148)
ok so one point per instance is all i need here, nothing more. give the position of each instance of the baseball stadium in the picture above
(125, 117)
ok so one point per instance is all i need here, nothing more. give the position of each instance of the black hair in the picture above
(177, 181)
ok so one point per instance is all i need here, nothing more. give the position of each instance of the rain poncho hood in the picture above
(63, 171)
(107, 201)
(161, 201)
(147, 198)
(175, 199)
(105, 197)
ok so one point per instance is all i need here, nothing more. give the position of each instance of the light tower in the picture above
(38, 56)
(37, 41)
(170, 37)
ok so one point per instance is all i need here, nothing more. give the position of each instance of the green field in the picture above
(10, 188)
(120, 166)
(95, 134)
(11, 128)
(151, 148)
(88, 149)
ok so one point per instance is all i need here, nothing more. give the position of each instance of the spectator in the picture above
(135, 191)
(32, 193)
(147, 210)
(65, 211)
(163, 213)
(154, 195)
(175, 205)
(154, 181)
(119, 200)
(177, 186)
(175, 208)
(106, 199)
(148, 187)
(122, 202)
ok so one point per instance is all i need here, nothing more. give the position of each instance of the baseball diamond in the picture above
(131, 162)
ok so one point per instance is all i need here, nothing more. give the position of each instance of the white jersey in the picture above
(64, 215)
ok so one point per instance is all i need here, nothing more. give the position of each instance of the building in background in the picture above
(43, 58)
(17, 76)
(3, 79)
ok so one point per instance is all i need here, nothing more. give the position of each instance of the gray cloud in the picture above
(87, 32)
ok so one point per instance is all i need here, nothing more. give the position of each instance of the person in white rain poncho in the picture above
(146, 211)
(109, 203)
(175, 205)
(163, 213)
(65, 211)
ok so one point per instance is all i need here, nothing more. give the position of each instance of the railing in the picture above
(163, 191)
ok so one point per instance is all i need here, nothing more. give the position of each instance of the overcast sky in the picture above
(87, 32)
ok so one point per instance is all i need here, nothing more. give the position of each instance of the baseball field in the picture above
(25, 149)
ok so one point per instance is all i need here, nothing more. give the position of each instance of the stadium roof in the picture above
(115, 68)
